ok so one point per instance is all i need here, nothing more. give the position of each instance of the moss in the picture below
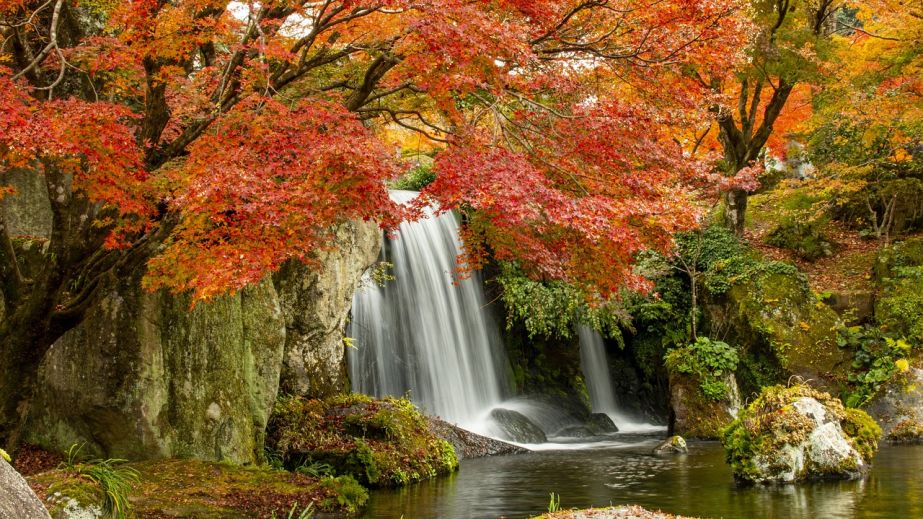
(190, 488)
(864, 432)
(378, 442)
(64, 487)
(347, 494)
(906, 431)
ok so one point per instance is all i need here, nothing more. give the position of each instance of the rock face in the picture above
(145, 376)
(517, 427)
(316, 305)
(797, 434)
(17, 500)
(694, 415)
(898, 408)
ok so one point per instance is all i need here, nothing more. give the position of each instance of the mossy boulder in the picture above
(781, 328)
(673, 445)
(381, 443)
(793, 434)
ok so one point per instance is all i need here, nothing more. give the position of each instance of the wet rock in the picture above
(517, 427)
(898, 407)
(797, 434)
(672, 445)
(575, 431)
(600, 423)
(17, 500)
(471, 445)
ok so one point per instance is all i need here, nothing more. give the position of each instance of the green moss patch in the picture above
(378, 442)
(190, 488)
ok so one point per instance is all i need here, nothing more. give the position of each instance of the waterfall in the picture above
(595, 368)
(424, 333)
(596, 371)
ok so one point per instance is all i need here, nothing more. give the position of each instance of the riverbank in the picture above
(616, 512)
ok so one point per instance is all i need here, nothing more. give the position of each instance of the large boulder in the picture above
(796, 434)
(146, 375)
(17, 500)
(898, 407)
(516, 427)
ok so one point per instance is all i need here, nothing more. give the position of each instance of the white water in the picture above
(599, 382)
(424, 333)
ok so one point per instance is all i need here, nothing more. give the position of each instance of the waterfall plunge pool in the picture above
(623, 472)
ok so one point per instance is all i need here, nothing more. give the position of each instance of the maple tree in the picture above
(208, 142)
(788, 49)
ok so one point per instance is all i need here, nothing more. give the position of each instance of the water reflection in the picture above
(698, 484)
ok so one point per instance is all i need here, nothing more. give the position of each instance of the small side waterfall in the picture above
(423, 333)
(595, 368)
(596, 371)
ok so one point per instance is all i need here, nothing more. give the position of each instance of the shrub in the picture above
(415, 179)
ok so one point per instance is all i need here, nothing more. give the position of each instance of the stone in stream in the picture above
(792, 434)
(672, 445)
(17, 500)
(517, 427)
(600, 423)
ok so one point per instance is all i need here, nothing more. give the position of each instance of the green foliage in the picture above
(900, 307)
(877, 358)
(555, 308)
(709, 362)
(554, 503)
(348, 493)
(296, 513)
(378, 442)
(316, 469)
(724, 260)
(415, 179)
(5, 457)
(114, 482)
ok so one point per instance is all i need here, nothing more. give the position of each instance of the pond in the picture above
(623, 472)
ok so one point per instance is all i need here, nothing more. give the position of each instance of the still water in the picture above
(623, 472)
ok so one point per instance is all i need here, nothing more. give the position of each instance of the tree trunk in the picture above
(735, 210)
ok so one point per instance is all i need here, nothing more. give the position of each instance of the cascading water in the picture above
(595, 368)
(424, 333)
